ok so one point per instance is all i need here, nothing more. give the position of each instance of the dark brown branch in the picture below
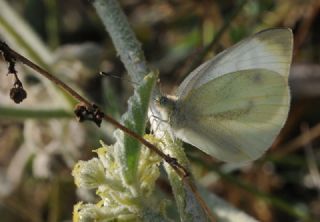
(17, 57)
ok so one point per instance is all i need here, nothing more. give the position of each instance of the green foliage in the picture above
(135, 119)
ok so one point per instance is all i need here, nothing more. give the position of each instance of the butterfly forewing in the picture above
(270, 49)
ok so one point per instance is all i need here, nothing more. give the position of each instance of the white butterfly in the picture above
(234, 105)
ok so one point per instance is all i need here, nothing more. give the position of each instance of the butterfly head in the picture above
(166, 103)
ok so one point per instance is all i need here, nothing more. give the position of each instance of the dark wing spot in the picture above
(257, 78)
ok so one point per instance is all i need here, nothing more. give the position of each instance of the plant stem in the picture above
(18, 57)
(9, 112)
(132, 56)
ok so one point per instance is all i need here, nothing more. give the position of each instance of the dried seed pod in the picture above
(17, 92)
(92, 113)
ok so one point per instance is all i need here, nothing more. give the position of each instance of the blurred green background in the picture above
(40, 141)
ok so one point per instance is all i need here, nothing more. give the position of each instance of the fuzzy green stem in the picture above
(124, 39)
(131, 54)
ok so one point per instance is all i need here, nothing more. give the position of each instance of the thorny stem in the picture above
(178, 168)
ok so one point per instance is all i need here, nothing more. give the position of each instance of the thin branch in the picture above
(18, 57)
(298, 142)
(311, 160)
(178, 168)
(46, 74)
(181, 171)
(202, 203)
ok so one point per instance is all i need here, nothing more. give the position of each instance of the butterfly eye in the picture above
(163, 100)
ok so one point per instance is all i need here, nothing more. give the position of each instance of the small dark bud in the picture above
(92, 113)
(80, 111)
(18, 94)
(98, 118)
(98, 115)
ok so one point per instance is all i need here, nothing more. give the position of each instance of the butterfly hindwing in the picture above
(234, 117)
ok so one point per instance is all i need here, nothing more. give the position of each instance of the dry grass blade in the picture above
(299, 142)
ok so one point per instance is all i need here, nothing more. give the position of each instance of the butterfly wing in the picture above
(270, 49)
(236, 116)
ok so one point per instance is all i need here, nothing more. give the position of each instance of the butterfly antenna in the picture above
(107, 74)
(159, 86)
